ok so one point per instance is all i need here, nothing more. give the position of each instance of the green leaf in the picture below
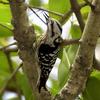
(75, 34)
(60, 6)
(80, 1)
(92, 91)
(3, 62)
(63, 69)
(55, 87)
(75, 31)
(60, 53)
(38, 30)
(85, 11)
(14, 54)
(35, 2)
(5, 14)
(5, 19)
(25, 87)
(4, 69)
(4, 32)
(71, 52)
(3, 77)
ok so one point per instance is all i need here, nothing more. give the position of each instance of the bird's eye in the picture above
(58, 40)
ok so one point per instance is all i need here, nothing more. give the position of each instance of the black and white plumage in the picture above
(48, 50)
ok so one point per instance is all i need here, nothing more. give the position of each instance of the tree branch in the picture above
(68, 14)
(82, 66)
(3, 48)
(8, 49)
(52, 12)
(6, 27)
(14, 76)
(90, 4)
(76, 9)
(5, 3)
(25, 37)
(10, 78)
(70, 42)
(96, 63)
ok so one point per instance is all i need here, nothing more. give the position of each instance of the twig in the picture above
(9, 61)
(5, 47)
(2, 2)
(82, 5)
(11, 50)
(90, 4)
(6, 27)
(76, 9)
(65, 16)
(68, 13)
(11, 71)
(37, 15)
(70, 41)
(52, 12)
(10, 78)
(96, 63)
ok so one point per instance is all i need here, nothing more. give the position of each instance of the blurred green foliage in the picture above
(67, 54)
(61, 6)
(5, 19)
(35, 2)
(92, 91)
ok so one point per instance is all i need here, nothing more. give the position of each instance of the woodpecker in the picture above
(48, 49)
